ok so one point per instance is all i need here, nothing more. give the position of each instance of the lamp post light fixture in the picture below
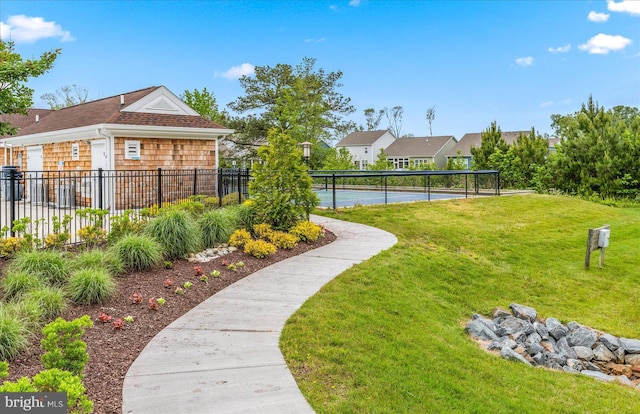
(306, 151)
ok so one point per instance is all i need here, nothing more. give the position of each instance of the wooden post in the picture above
(592, 245)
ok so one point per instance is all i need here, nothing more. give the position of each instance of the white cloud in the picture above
(547, 104)
(333, 7)
(598, 17)
(524, 61)
(625, 6)
(354, 3)
(236, 72)
(602, 44)
(25, 29)
(560, 49)
(311, 40)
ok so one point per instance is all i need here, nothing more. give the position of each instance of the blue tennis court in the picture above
(349, 198)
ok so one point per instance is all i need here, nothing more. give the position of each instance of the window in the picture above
(132, 150)
(75, 152)
(366, 150)
(364, 164)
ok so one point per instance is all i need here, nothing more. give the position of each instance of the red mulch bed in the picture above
(111, 352)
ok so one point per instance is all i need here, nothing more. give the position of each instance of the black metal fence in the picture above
(42, 198)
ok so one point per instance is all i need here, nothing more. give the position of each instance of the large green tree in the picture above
(68, 95)
(321, 107)
(205, 103)
(15, 96)
(492, 140)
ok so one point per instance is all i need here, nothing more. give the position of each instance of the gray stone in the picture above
(549, 346)
(575, 364)
(479, 330)
(619, 354)
(502, 342)
(555, 366)
(583, 352)
(539, 358)
(553, 358)
(520, 349)
(511, 355)
(572, 326)
(524, 312)
(592, 367)
(534, 338)
(602, 353)
(622, 379)
(519, 337)
(582, 336)
(487, 322)
(500, 313)
(632, 359)
(631, 346)
(565, 350)
(510, 326)
(534, 348)
(599, 375)
(556, 329)
(567, 368)
(541, 329)
(610, 341)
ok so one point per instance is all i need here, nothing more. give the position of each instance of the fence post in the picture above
(159, 187)
(466, 185)
(239, 185)
(195, 182)
(429, 187)
(498, 183)
(11, 196)
(385, 189)
(100, 186)
(219, 179)
(333, 181)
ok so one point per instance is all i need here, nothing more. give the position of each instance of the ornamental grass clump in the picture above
(138, 252)
(259, 248)
(18, 283)
(28, 313)
(50, 300)
(100, 259)
(216, 227)
(14, 334)
(244, 213)
(50, 265)
(89, 286)
(176, 232)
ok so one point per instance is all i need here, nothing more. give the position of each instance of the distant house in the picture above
(462, 149)
(141, 130)
(418, 151)
(364, 146)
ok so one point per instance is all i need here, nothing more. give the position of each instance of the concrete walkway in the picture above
(223, 356)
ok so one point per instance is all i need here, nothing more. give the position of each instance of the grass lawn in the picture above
(387, 336)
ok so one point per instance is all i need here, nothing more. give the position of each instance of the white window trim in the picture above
(75, 152)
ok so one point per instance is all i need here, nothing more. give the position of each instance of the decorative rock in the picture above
(632, 359)
(534, 348)
(500, 313)
(567, 368)
(592, 367)
(556, 329)
(598, 375)
(554, 358)
(564, 349)
(549, 346)
(624, 380)
(610, 341)
(487, 322)
(479, 330)
(572, 326)
(602, 353)
(511, 325)
(582, 336)
(584, 353)
(502, 342)
(511, 355)
(523, 312)
(519, 337)
(534, 338)
(631, 346)
(538, 358)
(575, 364)
(520, 349)
(619, 369)
(619, 354)
(541, 329)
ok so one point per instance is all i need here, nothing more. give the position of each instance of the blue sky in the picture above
(515, 62)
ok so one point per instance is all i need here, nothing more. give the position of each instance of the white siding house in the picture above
(364, 146)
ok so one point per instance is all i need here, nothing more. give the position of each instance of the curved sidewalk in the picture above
(223, 356)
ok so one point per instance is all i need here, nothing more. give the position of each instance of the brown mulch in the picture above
(112, 351)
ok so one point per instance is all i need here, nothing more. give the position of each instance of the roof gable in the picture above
(362, 138)
(160, 101)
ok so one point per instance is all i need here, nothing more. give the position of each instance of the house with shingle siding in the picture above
(364, 146)
(141, 130)
(419, 151)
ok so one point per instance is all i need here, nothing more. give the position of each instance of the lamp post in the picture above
(306, 151)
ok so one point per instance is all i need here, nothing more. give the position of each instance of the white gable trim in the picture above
(160, 101)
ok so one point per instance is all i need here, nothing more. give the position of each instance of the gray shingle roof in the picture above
(417, 146)
(360, 138)
(474, 139)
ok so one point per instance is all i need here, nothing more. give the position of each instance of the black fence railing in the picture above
(39, 199)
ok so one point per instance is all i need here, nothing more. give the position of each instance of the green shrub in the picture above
(14, 335)
(262, 231)
(62, 345)
(176, 232)
(283, 240)
(243, 215)
(259, 248)
(129, 222)
(216, 227)
(17, 283)
(231, 199)
(10, 246)
(307, 231)
(50, 265)
(239, 238)
(50, 300)
(89, 286)
(56, 380)
(137, 252)
(22, 384)
(99, 259)
(4, 369)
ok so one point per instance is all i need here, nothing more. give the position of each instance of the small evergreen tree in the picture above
(491, 140)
